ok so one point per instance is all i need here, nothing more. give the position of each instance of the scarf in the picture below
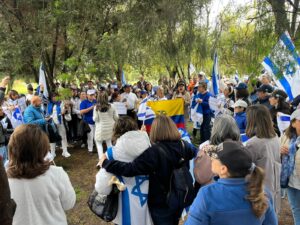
(288, 163)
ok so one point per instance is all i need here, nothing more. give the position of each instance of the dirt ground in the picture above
(81, 168)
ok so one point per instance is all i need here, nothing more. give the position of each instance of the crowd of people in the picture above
(236, 181)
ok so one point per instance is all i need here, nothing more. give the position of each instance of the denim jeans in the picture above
(3, 153)
(165, 216)
(294, 200)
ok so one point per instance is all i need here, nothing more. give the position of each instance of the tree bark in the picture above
(281, 20)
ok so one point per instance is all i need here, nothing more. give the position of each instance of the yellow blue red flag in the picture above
(172, 108)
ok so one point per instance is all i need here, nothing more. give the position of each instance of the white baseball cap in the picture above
(240, 103)
(296, 115)
(91, 92)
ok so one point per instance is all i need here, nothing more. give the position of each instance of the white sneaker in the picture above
(82, 146)
(66, 154)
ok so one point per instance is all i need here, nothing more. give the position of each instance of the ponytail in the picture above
(256, 194)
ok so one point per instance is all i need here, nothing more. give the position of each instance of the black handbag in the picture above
(105, 206)
(84, 128)
(52, 131)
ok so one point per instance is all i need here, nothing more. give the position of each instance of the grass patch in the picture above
(80, 194)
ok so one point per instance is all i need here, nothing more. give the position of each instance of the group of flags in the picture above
(173, 108)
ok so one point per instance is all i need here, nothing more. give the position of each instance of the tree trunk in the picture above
(119, 73)
(281, 20)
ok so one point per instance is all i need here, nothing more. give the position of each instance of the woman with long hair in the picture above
(42, 192)
(290, 144)
(264, 146)
(237, 196)
(105, 117)
(278, 104)
(166, 140)
(129, 144)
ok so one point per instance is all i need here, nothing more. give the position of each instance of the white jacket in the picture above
(128, 147)
(43, 200)
(104, 123)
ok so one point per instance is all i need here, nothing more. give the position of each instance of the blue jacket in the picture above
(88, 117)
(34, 115)
(241, 121)
(224, 203)
(205, 103)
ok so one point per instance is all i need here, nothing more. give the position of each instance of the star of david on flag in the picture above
(136, 190)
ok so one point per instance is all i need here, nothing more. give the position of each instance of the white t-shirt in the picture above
(44, 199)
(131, 99)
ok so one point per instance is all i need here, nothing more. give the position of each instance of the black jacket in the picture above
(153, 162)
(264, 102)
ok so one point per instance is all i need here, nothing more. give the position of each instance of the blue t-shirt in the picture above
(88, 117)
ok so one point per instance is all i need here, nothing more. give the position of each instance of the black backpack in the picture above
(181, 189)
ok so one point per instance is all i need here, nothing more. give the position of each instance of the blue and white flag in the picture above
(123, 79)
(236, 77)
(142, 109)
(145, 112)
(283, 64)
(215, 76)
(283, 121)
(42, 80)
(17, 118)
(196, 111)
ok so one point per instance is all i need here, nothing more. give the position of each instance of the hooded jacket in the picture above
(154, 163)
(133, 207)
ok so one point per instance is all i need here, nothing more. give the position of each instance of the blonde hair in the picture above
(164, 129)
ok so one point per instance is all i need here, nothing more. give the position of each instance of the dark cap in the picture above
(279, 94)
(143, 92)
(181, 83)
(241, 86)
(265, 88)
(233, 155)
(126, 86)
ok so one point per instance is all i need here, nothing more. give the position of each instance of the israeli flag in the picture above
(283, 121)
(145, 112)
(284, 82)
(196, 111)
(215, 76)
(42, 80)
(142, 109)
(283, 64)
(123, 79)
(17, 118)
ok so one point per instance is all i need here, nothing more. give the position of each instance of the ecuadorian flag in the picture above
(172, 108)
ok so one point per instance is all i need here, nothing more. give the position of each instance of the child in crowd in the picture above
(240, 114)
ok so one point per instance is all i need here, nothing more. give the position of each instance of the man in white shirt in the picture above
(131, 99)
